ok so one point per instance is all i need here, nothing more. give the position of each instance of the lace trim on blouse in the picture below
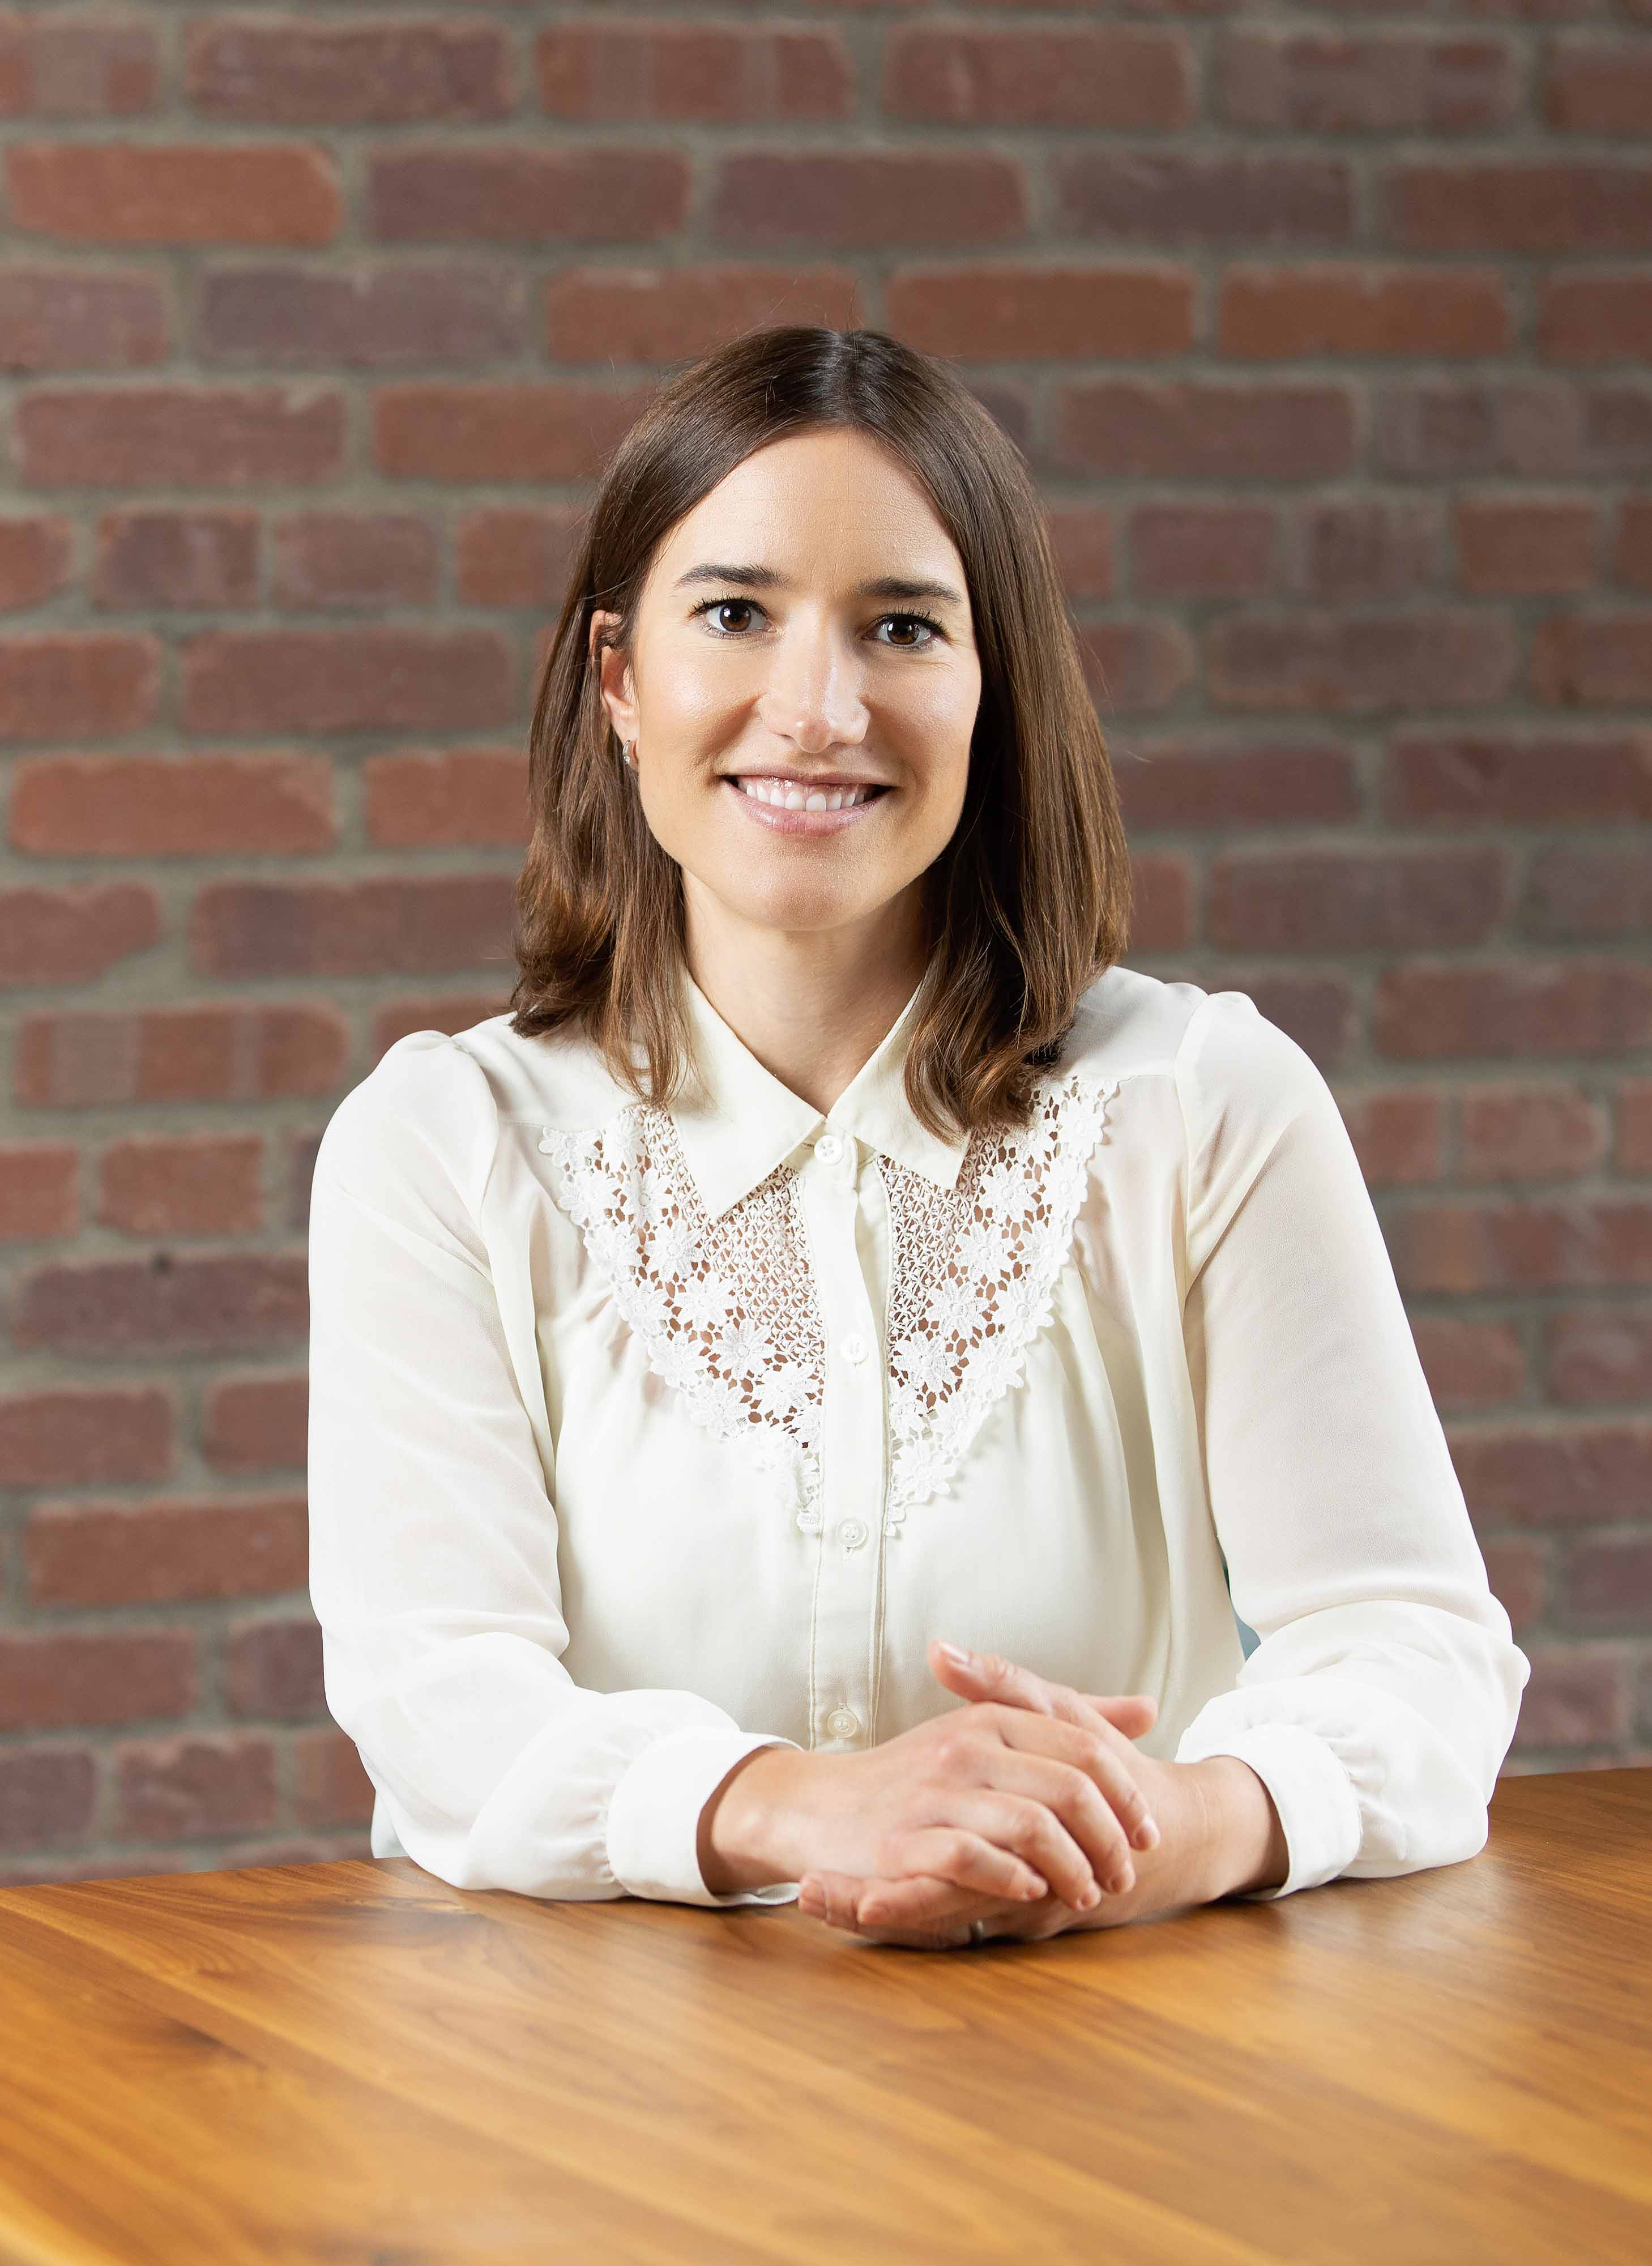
(726, 1309)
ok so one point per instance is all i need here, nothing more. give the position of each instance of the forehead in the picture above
(829, 503)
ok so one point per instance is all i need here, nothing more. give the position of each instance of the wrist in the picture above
(747, 1827)
(1245, 1845)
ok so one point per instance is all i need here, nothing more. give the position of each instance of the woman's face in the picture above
(802, 736)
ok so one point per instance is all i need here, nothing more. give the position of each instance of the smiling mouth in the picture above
(798, 795)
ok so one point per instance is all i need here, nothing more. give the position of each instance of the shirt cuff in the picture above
(653, 1817)
(1313, 1793)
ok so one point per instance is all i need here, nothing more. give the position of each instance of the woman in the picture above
(835, 1253)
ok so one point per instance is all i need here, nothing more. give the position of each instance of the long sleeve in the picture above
(433, 1536)
(1383, 1695)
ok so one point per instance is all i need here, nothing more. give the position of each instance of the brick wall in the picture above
(1327, 331)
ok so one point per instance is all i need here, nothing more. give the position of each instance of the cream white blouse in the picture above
(640, 1437)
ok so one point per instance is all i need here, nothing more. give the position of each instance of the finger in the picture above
(1071, 1795)
(979, 1864)
(1095, 1748)
(831, 1898)
(1017, 1823)
(921, 1900)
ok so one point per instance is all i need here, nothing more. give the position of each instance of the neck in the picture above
(813, 1006)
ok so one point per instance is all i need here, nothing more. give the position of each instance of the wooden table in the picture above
(354, 2061)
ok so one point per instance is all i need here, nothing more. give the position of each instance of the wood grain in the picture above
(354, 2062)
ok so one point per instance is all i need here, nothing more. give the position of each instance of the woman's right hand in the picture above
(993, 1797)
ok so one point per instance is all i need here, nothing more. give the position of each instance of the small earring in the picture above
(626, 746)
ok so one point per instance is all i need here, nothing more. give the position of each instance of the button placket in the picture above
(851, 1448)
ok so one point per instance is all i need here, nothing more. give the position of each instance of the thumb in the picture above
(1130, 1712)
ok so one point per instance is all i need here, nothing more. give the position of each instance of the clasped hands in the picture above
(1112, 1837)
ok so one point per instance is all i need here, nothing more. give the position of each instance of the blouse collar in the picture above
(747, 1123)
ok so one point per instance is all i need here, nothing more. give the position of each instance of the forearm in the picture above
(1245, 1841)
(746, 1829)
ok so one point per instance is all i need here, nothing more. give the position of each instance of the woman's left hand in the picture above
(934, 1915)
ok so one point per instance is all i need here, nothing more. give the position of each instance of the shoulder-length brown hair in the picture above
(1030, 900)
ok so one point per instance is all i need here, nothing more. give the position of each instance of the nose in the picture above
(813, 694)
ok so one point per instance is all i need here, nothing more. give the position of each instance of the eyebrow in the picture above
(765, 578)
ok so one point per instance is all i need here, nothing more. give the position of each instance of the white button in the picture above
(853, 1348)
(829, 1148)
(843, 1724)
(852, 1534)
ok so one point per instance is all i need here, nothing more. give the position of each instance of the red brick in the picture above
(1165, 197)
(474, 796)
(1594, 319)
(1365, 547)
(72, 1437)
(1564, 1008)
(1318, 1011)
(1506, 1245)
(104, 1676)
(1359, 664)
(1576, 891)
(1593, 660)
(381, 926)
(1112, 76)
(1164, 913)
(330, 1786)
(1573, 1700)
(992, 312)
(144, 193)
(1512, 205)
(1530, 429)
(1515, 1573)
(1532, 780)
(273, 1667)
(1599, 1354)
(1510, 546)
(668, 314)
(1614, 427)
(527, 195)
(159, 560)
(1198, 551)
(1355, 900)
(197, 1303)
(1327, 82)
(1631, 558)
(256, 1423)
(182, 436)
(180, 1054)
(75, 66)
(1635, 1126)
(39, 1196)
(1283, 314)
(197, 1184)
(499, 432)
(51, 687)
(182, 1788)
(376, 679)
(1530, 1132)
(361, 318)
(694, 73)
(69, 935)
(140, 1553)
(1598, 85)
(1154, 428)
(443, 1012)
(342, 559)
(848, 197)
(60, 318)
(1609, 1584)
(47, 1795)
(1234, 784)
(380, 73)
(1398, 1136)
(1081, 535)
(1131, 666)
(1581, 1475)
(1469, 1365)
(36, 559)
(507, 556)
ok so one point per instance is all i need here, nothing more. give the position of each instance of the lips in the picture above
(784, 794)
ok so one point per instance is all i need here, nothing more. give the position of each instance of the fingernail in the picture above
(1147, 1834)
(1088, 1898)
(957, 1654)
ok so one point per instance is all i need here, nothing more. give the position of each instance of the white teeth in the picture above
(787, 794)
